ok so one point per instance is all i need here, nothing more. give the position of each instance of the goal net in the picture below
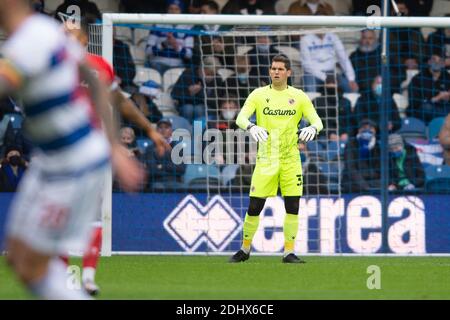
(193, 80)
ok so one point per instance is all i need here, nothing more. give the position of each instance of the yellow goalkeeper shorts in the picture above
(268, 175)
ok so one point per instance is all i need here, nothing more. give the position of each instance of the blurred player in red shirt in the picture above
(58, 196)
(128, 110)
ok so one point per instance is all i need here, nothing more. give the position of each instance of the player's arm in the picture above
(309, 133)
(128, 171)
(99, 95)
(259, 134)
(10, 78)
(129, 111)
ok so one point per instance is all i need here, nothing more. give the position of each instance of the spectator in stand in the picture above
(128, 140)
(12, 169)
(311, 7)
(194, 6)
(170, 49)
(197, 86)
(319, 55)
(257, 7)
(369, 104)
(123, 63)
(222, 48)
(406, 171)
(326, 106)
(407, 47)
(362, 160)
(148, 91)
(366, 60)
(165, 174)
(241, 83)
(209, 7)
(440, 41)
(261, 58)
(444, 139)
(228, 112)
(139, 6)
(420, 8)
(429, 91)
(143, 99)
(360, 7)
(218, 46)
(88, 9)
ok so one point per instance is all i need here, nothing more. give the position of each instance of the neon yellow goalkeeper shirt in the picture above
(279, 112)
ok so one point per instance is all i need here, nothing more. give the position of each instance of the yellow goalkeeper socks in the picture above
(250, 226)
(290, 232)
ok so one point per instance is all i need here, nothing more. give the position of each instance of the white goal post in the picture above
(109, 19)
(374, 22)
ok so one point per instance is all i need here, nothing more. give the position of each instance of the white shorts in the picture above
(54, 216)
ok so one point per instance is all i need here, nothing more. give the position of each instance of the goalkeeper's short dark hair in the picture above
(284, 59)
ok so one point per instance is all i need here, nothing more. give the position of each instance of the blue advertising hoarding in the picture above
(178, 222)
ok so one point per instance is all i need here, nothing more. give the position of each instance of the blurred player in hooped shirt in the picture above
(57, 198)
(78, 28)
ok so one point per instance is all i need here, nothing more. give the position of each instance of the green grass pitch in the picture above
(211, 277)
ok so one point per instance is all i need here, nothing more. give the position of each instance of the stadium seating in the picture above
(426, 31)
(324, 154)
(437, 179)
(410, 73)
(292, 53)
(103, 5)
(165, 104)
(402, 103)
(434, 127)
(353, 98)
(170, 77)
(323, 150)
(241, 50)
(180, 123)
(440, 7)
(138, 54)
(144, 74)
(141, 36)
(282, 6)
(225, 73)
(313, 95)
(200, 175)
(412, 128)
(228, 173)
(16, 120)
(429, 152)
(124, 34)
(144, 144)
(332, 172)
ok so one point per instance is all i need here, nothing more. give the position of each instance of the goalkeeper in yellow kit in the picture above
(279, 109)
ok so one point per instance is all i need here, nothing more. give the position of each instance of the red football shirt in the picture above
(105, 74)
(103, 69)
